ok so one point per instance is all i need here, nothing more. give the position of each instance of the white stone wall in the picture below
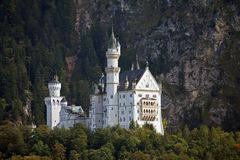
(99, 111)
(157, 123)
(53, 110)
(126, 104)
(54, 89)
(112, 63)
(112, 71)
(68, 119)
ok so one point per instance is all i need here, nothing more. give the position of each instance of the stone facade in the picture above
(121, 98)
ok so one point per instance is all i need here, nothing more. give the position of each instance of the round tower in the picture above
(112, 81)
(53, 102)
(54, 87)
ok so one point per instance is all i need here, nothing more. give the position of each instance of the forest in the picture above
(144, 143)
(36, 36)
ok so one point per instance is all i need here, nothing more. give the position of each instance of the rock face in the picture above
(185, 42)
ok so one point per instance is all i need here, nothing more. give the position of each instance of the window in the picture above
(130, 103)
(112, 108)
(120, 96)
(130, 118)
(131, 95)
(137, 111)
(147, 95)
(154, 96)
(124, 119)
(122, 112)
(121, 119)
(130, 111)
(111, 96)
(139, 95)
(124, 96)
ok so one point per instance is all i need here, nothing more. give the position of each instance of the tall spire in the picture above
(132, 68)
(126, 83)
(55, 79)
(112, 41)
(146, 64)
(137, 64)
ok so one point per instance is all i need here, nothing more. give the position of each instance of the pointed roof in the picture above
(137, 64)
(112, 42)
(101, 79)
(63, 99)
(132, 67)
(55, 79)
(147, 64)
(132, 76)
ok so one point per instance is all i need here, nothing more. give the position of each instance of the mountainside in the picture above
(192, 47)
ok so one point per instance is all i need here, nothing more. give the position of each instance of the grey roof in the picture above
(55, 79)
(132, 76)
(112, 41)
(64, 100)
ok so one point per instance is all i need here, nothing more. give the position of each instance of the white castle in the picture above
(59, 114)
(118, 99)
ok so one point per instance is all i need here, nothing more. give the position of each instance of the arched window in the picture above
(54, 102)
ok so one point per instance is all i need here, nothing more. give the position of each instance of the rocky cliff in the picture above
(192, 47)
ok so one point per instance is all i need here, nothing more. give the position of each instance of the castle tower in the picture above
(112, 73)
(53, 102)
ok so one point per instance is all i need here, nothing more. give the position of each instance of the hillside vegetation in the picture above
(192, 48)
(116, 143)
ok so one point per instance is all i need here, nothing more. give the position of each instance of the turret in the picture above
(101, 83)
(112, 80)
(64, 102)
(54, 87)
(126, 83)
(147, 65)
(53, 102)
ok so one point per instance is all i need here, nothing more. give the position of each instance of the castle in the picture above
(118, 99)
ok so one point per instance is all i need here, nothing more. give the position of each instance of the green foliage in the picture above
(11, 139)
(117, 143)
(35, 37)
(41, 149)
(58, 152)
